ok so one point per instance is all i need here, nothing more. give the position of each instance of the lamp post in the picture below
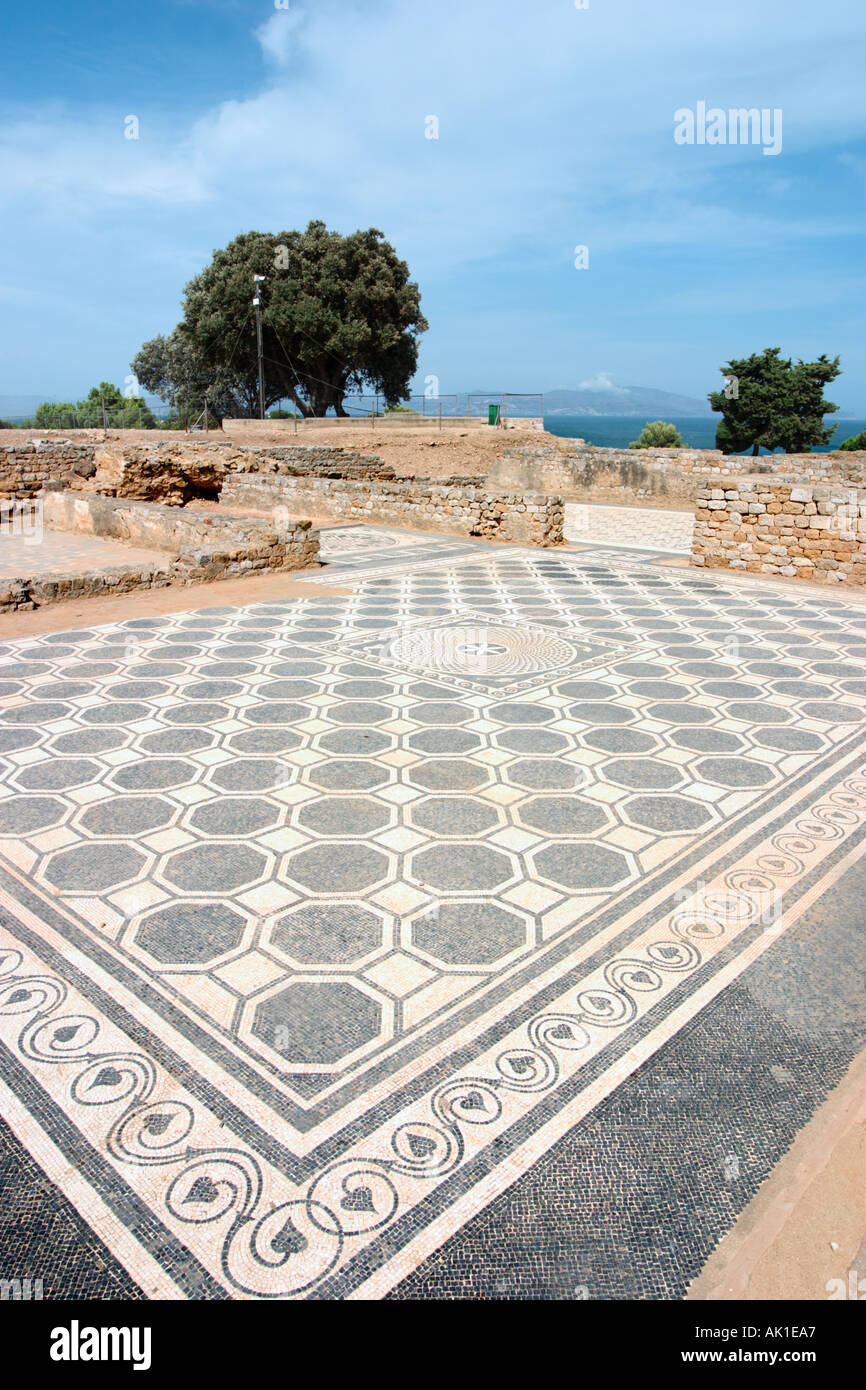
(257, 305)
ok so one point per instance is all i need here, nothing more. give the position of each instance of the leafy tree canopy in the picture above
(658, 434)
(130, 411)
(854, 441)
(339, 314)
(53, 415)
(774, 403)
(173, 370)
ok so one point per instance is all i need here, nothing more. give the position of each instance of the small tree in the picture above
(658, 435)
(128, 411)
(772, 403)
(54, 415)
(854, 441)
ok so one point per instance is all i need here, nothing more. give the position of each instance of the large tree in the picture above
(339, 314)
(772, 402)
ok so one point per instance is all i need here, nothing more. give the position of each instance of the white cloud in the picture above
(555, 128)
(65, 162)
(602, 382)
(277, 35)
(533, 150)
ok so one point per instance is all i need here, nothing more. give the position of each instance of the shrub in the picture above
(658, 435)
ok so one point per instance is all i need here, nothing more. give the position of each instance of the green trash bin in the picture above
(493, 415)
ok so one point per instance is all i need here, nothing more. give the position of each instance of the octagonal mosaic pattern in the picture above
(332, 850)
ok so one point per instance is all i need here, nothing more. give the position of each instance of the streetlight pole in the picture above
(257, 305)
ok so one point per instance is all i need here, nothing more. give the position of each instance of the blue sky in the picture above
(556, 129)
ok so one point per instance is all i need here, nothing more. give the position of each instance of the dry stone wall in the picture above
(656, 477)
(526, 518)
(801, 530)
(28, 467)
(199, 548)
(169, 473)
(34, 591)
(173, 529)
(176, 472)
(318, 461)
(661, 477)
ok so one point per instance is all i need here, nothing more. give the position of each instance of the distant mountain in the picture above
(623, 400)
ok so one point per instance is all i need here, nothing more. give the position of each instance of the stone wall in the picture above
(315, 460)
(28, 467)
(169, 473)
(655, 477)
(462, 510)
(173, 473)
(177, 529)
(34, 591)
(200, 548)
(775, 525)
(583, 473)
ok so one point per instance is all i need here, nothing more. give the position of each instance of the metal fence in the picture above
(467, 405)
(128, 416)
(448, 406)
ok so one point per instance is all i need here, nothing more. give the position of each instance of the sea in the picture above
(697, 431)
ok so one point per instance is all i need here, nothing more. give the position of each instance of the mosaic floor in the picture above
(640, 528)
(437, 939)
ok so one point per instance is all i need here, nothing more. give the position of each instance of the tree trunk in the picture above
(323, 395)
(755, 451)
(306, 410)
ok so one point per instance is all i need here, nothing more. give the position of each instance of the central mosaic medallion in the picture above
(338, 540)
(481, 653)
(489, 649)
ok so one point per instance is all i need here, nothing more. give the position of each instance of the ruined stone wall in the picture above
(200, 548)
(28, 467)
(775, 525)
(457, 510)
(654, 477)
(170, 528)
(169, 473)
(25, 592)
(657, 477)
(318, 461)
(172, 472)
